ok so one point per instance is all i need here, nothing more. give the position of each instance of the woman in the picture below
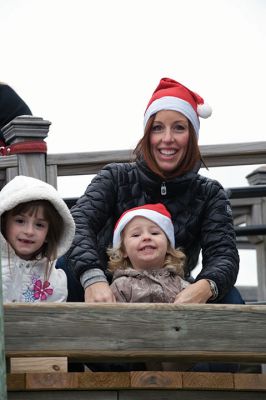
(165, 171)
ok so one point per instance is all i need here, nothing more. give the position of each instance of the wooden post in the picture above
(2, 346)
(32, 130)
(258, 216)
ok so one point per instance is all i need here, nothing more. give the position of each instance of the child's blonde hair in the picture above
(117, 260)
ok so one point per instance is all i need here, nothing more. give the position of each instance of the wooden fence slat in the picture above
(250, 382)
(139, 331)
(38, 364)
(62, 380)
(205, 380)
(104, 380)
(156, 380)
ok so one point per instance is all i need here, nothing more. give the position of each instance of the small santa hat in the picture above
(156, 213)
(172, 95)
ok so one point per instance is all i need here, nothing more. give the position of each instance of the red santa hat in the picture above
(156, 213)
(172, 95)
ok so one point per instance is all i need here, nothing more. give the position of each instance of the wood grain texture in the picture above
(250, 382)
(104, 380)
(158, 380)
(140, 331)
(16, 382)
(137, 380)
(41, 381)
(205, 380)
(38, 364)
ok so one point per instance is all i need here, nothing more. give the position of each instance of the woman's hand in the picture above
(198, 292)
(99, 292)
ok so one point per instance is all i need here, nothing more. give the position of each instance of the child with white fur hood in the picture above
(36, 229)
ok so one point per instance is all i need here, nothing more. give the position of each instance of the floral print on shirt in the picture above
(38, 290)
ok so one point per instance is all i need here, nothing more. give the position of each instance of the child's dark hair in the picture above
(49, 249)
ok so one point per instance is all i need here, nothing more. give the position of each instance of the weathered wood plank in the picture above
(38, 364)
(8, 161)
(140, 331)
(104, 380)
(16, 382)
(250, 382)
(205, 380)
(137, 381)
(231, 154)
(156, 380)
(38, 381)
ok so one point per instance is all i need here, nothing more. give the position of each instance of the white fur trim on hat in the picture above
(22, 189)
(174, 104)
(161, 220)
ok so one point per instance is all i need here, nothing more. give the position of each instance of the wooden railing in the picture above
(136, 332)
(94, 332)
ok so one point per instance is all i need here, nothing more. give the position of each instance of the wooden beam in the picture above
(230, 154)
(158, 380)
(136, 331)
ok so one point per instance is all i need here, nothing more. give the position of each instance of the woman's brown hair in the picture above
(190, 159)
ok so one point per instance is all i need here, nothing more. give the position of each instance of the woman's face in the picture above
(169, 137)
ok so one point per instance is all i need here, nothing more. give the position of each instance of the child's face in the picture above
(145, 244)
(26, 233)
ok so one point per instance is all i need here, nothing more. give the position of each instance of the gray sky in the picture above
(90, 68)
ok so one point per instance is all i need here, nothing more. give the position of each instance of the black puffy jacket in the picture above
(200, 210)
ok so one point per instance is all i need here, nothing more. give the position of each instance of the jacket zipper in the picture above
(163, 189)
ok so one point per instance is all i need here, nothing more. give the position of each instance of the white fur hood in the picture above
(22, 189)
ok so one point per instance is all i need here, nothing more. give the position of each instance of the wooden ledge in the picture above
(102, 332)
(136, 380)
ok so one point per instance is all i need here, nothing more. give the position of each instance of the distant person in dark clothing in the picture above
(11, 106)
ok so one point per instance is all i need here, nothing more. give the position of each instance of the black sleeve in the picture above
(93, 215)
(220, 259)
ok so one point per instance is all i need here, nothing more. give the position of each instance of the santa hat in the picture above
(172, 95)
(156, 213)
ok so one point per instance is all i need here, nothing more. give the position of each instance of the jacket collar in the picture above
(154, 184)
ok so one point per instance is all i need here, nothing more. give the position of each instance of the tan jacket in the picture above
(156, 286)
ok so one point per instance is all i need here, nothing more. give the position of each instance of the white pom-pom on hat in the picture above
(204, 110)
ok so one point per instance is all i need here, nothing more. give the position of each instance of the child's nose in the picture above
(29, 229)
(146, 236)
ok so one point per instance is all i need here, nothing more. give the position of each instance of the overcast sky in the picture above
(90, 68)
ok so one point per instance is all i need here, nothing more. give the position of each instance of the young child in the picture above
(36, 228)
(147, 267)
